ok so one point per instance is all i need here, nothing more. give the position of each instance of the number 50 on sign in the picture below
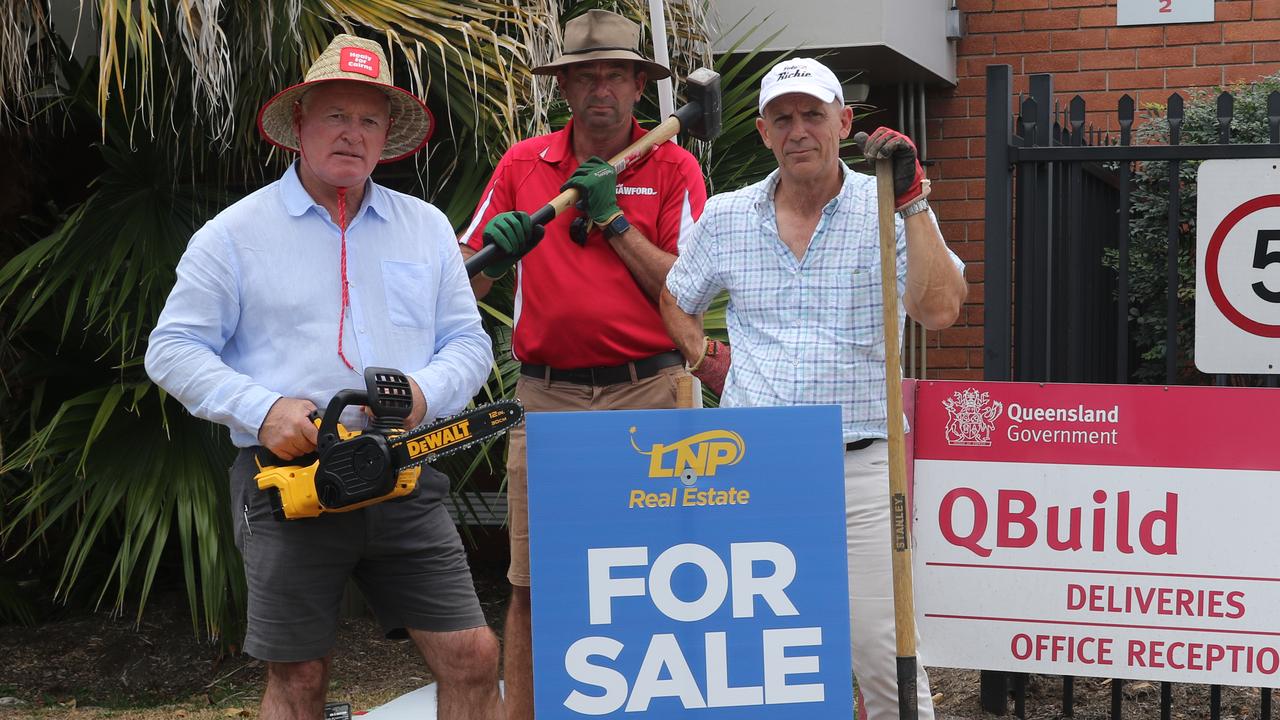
(1238, 267)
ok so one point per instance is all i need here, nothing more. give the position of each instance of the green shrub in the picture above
(1149, 221)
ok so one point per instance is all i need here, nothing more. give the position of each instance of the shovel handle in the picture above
(899, 512)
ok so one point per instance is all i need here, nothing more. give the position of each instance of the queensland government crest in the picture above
(973, 415)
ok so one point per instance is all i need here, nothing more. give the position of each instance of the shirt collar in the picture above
(297, 201)
(764, 199)
(561, 145)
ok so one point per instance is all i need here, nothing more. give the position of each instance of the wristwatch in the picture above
(616, 226)
(914, 208)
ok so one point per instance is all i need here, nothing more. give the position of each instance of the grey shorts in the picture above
(405, 556)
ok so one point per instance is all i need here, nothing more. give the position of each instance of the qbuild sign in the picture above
(689, 563)
(1116, 531)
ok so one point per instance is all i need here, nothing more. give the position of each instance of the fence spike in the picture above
(1226, 108)
(1077, 119)
(1125, 110)
(1174, 117)
(1027, 120)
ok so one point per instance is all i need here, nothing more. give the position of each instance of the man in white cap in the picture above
(282, 300)
(799, 254)
(587, 330)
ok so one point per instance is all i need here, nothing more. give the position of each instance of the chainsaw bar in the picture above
(445, 436)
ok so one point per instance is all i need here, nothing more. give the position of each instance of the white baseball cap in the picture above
(800, 75)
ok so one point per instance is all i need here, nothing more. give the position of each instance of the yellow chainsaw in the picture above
(352, 469)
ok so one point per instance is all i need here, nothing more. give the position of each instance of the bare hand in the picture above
(419, 406)
(287, 431)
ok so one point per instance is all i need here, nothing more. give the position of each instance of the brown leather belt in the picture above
(606, 375)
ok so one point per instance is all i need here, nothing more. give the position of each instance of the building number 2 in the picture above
(1166, 6)
(1262, 257)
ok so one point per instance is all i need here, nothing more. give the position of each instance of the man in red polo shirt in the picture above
(588, 332)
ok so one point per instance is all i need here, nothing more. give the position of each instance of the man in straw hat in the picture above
(799, 254)
(587, 330)
(282, 300)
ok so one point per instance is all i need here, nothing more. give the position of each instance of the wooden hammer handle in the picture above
(663, 132)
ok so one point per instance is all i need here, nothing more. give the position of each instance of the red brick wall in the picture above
(1078, 41)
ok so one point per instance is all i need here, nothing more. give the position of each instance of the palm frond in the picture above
(137, 498)
(130, 231)
(24, 33)
(469, 58)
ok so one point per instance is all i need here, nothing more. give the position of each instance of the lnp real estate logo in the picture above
(693, 457)
(972, 417)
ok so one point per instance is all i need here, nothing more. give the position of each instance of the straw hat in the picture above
(359, 60)
(602, 35)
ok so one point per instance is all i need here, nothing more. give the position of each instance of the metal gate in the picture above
(1059, 275)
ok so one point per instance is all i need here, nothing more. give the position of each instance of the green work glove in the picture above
(516, 234)
(598, 183)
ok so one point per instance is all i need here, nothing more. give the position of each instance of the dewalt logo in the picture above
(695, 456)
(437, 439)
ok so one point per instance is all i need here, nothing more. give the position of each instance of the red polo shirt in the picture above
(579, 306)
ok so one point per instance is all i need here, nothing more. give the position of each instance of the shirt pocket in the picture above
(846, 301)
(410, 293)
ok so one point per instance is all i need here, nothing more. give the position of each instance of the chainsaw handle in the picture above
(328, 433)
(266, 459)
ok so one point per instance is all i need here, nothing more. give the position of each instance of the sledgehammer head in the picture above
(700, 117)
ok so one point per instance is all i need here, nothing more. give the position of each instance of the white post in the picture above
(658, 28)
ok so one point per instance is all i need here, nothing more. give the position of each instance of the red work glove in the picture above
(713, 367)
(909, 184)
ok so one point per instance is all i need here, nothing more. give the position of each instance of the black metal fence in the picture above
(1058, 261)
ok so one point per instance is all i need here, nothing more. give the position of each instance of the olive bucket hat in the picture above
(601, 35)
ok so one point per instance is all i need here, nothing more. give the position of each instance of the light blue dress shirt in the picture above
(254, 313)
(805, 331)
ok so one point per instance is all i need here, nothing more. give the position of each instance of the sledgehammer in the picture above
(904, 614)
(700, 117)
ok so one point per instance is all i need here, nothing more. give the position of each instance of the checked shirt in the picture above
(804, 331)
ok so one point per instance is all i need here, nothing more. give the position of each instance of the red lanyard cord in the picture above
(346, 295)
(342, 234)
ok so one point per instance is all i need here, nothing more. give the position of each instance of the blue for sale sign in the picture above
(689, 563)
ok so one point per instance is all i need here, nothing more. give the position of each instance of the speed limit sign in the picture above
(1238, 266)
